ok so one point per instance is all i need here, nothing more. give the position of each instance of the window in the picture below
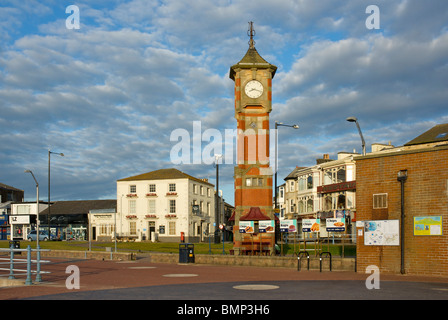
(254, 182)
(132, 207)
(132, 227)
(152, 206)
(202, 190)
(152, 188)
(172, 206)
(195, 189)
(292, 186)
(133, 189)
(172, 228)
(172, 187)
(380, 201)
(334, 175)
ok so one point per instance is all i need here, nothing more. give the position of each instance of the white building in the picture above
(23, 218)
(167, 205)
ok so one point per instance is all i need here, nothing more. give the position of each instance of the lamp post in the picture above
(355, 120)
(217, 216)
(402, 176)
(38, 276)
(49, 205)
(278, 124)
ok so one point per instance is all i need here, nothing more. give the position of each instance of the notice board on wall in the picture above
(382, 233)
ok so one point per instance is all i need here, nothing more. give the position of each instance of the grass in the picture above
(173, 247)
(167, 247)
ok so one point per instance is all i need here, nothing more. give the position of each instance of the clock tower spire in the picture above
(253, 175)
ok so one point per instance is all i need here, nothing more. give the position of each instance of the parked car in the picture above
(43, 235)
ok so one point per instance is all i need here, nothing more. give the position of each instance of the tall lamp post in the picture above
(49, 205)
(402, 176)
(38, 276)
(217, 215)
(278, 124)
(355, 120)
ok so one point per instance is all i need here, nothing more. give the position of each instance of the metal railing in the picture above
(13, 262)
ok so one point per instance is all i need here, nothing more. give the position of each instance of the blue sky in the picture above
(108, 95)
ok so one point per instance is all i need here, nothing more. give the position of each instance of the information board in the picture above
(288, 225)
(382, 233)
(266, 226)
(310, 225)
(428, 226)
(246, 227)
(335, 225)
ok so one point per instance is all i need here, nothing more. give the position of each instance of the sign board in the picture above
(335, 225)
(16, 219)
(246, 227)
(382, 233)
(310, 225)
(288, 225)
(428, 226)
(266, 226)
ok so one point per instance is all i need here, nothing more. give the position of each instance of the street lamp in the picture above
(278, 124)
(49, 205)
(354, 119)
(38, 276)
(402, 176)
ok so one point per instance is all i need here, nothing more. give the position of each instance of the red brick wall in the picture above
(425, 195)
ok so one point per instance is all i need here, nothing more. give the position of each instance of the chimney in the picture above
(326, 156)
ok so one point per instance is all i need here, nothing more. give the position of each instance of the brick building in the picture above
(425, 198)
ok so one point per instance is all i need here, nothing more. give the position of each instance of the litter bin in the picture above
(15, 244)
(186, 253)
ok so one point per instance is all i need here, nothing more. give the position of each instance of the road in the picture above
(143, 280)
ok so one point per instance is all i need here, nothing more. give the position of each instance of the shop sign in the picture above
(16, 219)
(335, 225)
(246, 227)
(310, 225)
(337, 187)
(266, 226)
(288, 225)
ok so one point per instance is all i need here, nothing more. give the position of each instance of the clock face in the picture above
(253, 89)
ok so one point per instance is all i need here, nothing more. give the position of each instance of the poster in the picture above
(310, 225)
(428, 226)
(246, 227)
(266, 226)
(381, 233)
(288, 225)
(335, 225)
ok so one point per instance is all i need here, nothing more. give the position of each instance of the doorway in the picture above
(152, 230)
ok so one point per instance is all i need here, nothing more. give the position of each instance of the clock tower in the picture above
(252, 175)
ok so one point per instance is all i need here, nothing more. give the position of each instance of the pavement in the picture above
(143, 280)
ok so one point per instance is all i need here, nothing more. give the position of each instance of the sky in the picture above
(110, 92)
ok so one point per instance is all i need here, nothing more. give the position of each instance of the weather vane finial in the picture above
(251, 34)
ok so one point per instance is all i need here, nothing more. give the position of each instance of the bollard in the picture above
(28, 266)
(38, 276)
(11, 264)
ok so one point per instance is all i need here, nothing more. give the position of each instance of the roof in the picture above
(5, 186)
(252, 59)
(79, 206)
(294, 172)
(435, 134)
(164, 174)
(254, 214)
